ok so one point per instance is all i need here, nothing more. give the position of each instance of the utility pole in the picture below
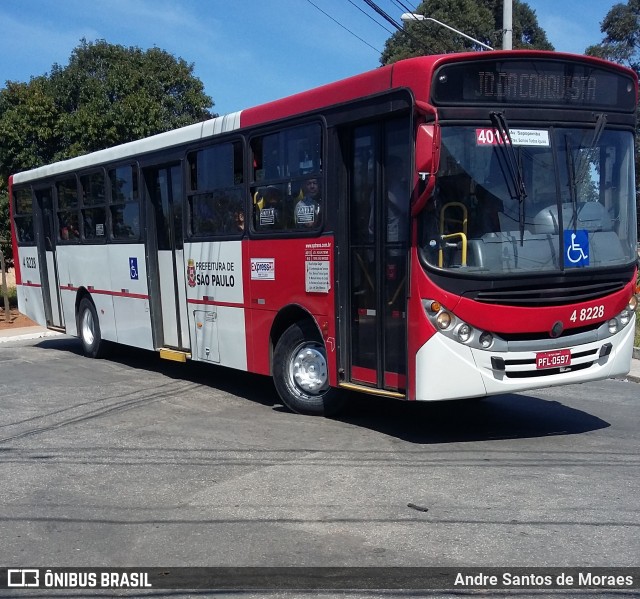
(507, 25)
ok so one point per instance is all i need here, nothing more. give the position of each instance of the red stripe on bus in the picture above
(107, 292)
(203, 302)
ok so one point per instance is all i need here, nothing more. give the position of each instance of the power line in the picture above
(344, 27)
(404, 7)
(383, 14)
(397, 25)
(366, 14)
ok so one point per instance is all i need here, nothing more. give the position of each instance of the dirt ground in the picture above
(15, 318)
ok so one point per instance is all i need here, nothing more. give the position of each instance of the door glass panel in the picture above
(379, 228)
(163, 212)
(364, 333)
(177, 199)
(396, 196)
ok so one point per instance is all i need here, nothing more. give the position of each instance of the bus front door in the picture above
(164, 200)
(378, 231)
(46, 240)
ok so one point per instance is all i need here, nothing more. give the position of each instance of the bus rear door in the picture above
(165, 254)
(46, 241)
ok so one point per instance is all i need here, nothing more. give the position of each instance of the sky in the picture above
(245, 52)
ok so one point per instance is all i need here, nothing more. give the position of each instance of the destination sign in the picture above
(533, 82)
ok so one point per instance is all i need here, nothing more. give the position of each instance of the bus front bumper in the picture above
(446, 369)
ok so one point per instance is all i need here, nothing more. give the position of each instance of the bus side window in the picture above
(125, 204)
(286, 180)
(94, 214)
(215, 197)
(68, 209)
(23, 216)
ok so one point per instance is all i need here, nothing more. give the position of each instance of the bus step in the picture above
(372, 390)
(174, 354)
(52, 327)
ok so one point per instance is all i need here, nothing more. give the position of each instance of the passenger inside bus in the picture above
(69, 228)
(238, 218)
(307, 210)
(268, 202)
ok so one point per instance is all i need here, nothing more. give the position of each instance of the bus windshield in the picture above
(537, 200)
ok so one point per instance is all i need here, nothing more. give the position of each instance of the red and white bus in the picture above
(446, 227)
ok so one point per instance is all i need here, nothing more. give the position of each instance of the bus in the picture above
(444, 228)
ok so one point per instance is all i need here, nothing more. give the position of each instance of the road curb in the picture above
(27, 336)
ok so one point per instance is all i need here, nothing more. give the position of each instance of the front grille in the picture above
(521, 368)
(537, 335)
(547, 296)
(525, 374)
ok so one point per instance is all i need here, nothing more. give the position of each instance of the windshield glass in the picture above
(552, 200)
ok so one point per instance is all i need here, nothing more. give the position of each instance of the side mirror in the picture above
(426, 150)
(427, 161)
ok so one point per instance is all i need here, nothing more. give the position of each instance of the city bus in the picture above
(444, 228)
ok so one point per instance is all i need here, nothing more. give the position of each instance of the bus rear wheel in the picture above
(301, 375)
(89, 329)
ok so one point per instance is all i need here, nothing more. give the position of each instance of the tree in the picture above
(108, 94)
(480, 19)
(621, 44)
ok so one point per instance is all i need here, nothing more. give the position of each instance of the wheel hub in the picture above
(88, 326)
(309, 370)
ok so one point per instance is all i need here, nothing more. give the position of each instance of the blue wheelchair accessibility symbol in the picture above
(576, 248)
(133, 268)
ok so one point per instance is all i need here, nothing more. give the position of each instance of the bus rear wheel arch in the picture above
(301, 373)
(89, 329)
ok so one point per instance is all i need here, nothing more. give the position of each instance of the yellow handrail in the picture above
(465, 216)
(462, 235)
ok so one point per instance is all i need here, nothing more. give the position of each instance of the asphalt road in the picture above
(132, 461)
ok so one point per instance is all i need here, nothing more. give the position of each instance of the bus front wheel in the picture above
(301, 375)
(89, 329)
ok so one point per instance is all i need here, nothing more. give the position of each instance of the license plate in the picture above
(553, 359)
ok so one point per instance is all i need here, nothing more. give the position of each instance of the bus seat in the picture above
(592, 216)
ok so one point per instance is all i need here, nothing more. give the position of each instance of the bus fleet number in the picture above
(587, 314)
(29, 262)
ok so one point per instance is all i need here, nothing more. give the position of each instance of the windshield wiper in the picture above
(578, 173)
(514, 166)
(573, 188)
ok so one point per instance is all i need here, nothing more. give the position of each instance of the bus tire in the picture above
(301, 375)
(89, 329)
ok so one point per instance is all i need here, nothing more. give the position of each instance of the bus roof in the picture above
(401, 74)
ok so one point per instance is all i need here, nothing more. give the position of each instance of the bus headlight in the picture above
(464, 332)
(486, 340)
(456, 329)
(633, 303)
(625, 317)
(613, 326)
(443, 320)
